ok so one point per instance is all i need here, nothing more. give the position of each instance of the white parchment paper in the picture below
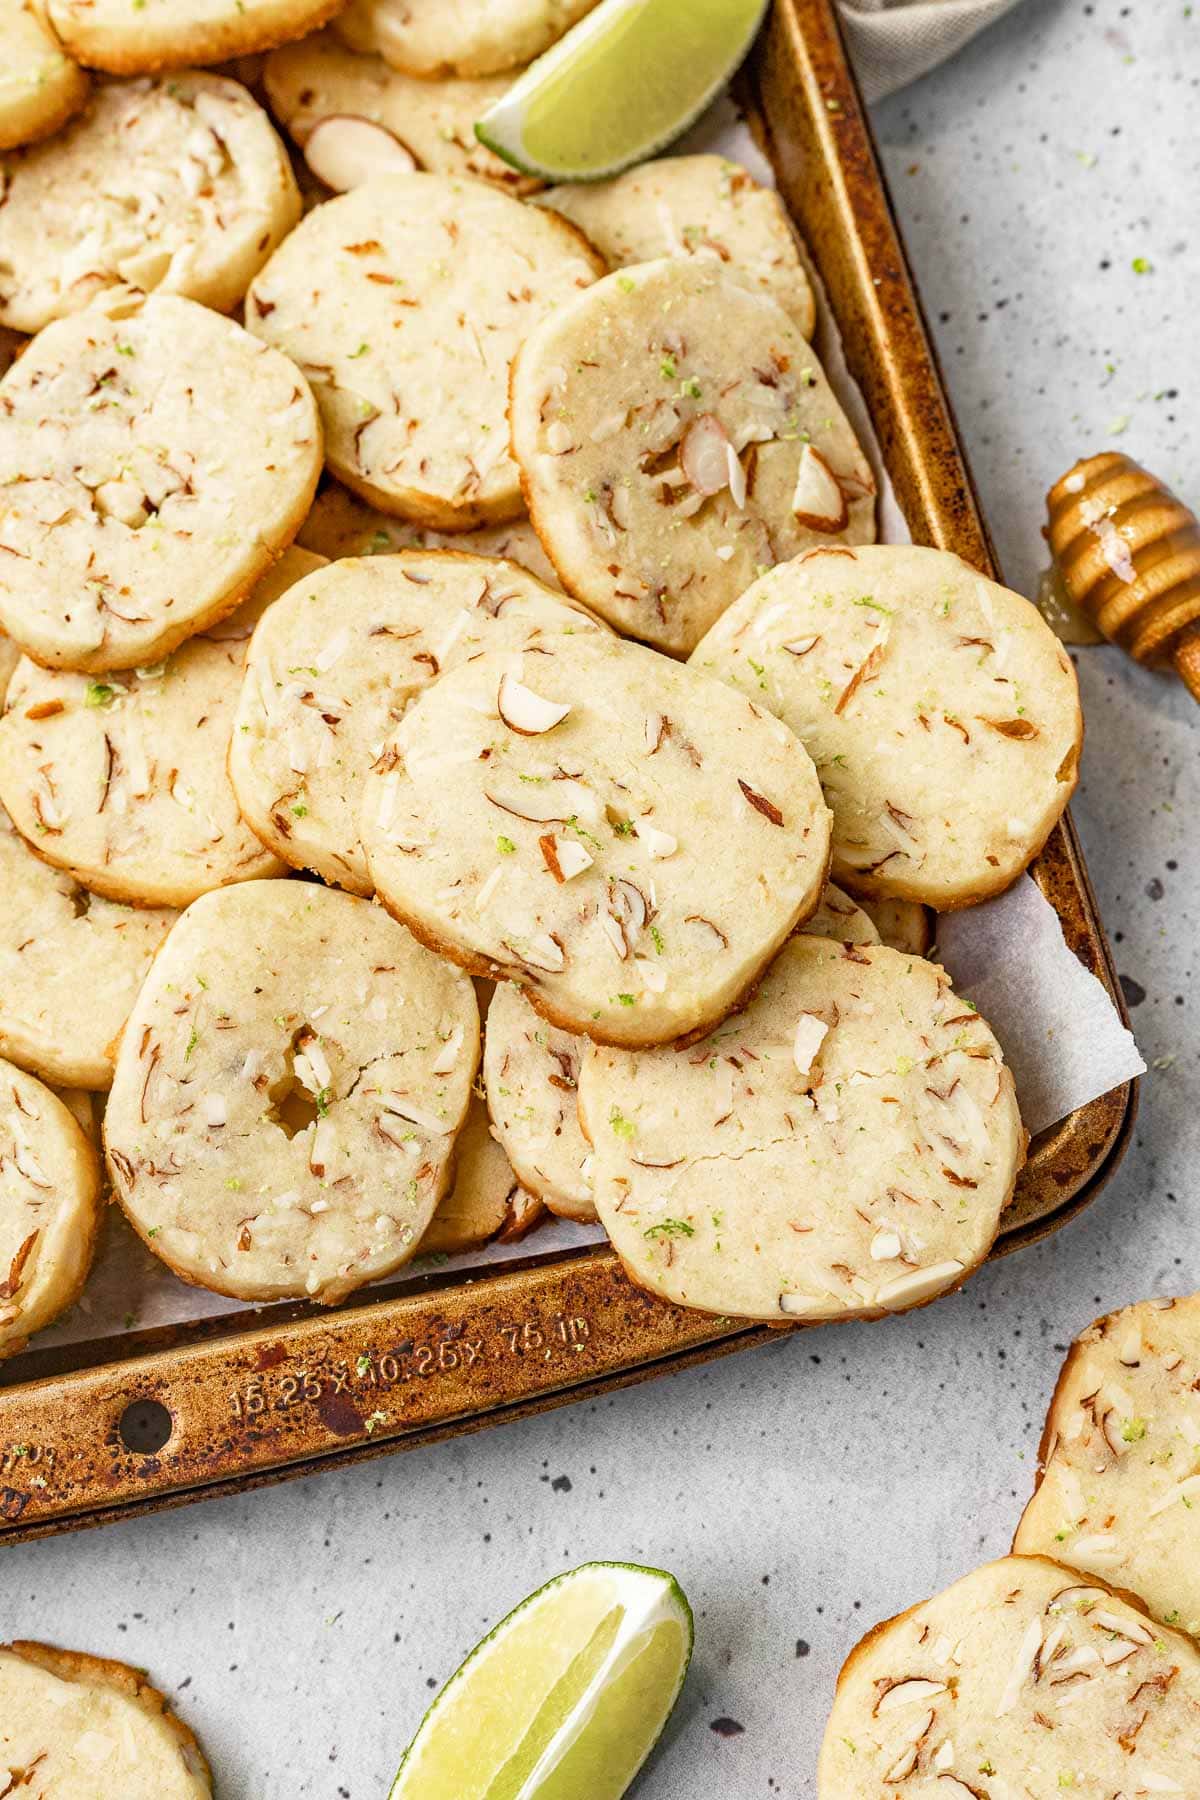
(1060, 1031)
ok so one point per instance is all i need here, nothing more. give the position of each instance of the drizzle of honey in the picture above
(1066, 620)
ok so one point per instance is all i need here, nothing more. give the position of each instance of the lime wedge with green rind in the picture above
(565, 1698)
(620, 86)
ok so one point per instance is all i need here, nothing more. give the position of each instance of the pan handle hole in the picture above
(145, 1426)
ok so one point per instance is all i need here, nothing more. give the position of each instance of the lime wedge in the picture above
(624, 82)
(565, 1698)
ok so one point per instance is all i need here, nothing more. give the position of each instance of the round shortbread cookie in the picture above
(487, 1202)
(600, 825)
(71, 965)
(178, 185)
(49, 1212)
(123, 782)
(843, 1147)
(694, 206)
(940, 709)
(340, 524)
(141, 37)
(288, 1091)
(669, 422)
(1018, 1680)
(459, 37)
(902, 924)
(434, 120)
(152, 468)
(332, 670)
(81, 1726)
(1119, 1485)
(40, 86)
(531, 1075)
(404, 302)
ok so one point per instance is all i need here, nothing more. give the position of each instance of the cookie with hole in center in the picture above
(441, 37)
(940, 709)
(40, 86)
(288, 1092)
(141, 39)
(404, 302)
(152, 468)
(1119, 1481)
(1022, 1678)
(49, 1209)
(123, 782)
(60, 946)
(179, 185)
(704, 207)
(676, 436)
(340, 524)
(843, 1146)
(82, 1725)
(334, 667)
(599, 824)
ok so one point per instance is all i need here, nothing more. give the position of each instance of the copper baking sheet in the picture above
(256, 1397)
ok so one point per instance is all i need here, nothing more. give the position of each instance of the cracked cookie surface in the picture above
(288, 1091)
(842, 1146)
(597, 822)
(404, 302)
(152, 467)
(178, 185)
(940, 709)
(1023, 1678)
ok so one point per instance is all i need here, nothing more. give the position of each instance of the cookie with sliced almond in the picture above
(843, 1146)
(904, 924)
(628, 841)
(434, 38)
(332, 669)
(703, 207)
(288, 1092)
(1024, 1678)
(73, 1724)
(1118, 1493)
(676, 436)
(50, 1210)
(940, 709)
(404, 300)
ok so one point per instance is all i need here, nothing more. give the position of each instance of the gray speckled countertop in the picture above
(803, 1491)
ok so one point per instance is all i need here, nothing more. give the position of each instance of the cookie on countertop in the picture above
(332, 670)
(404, 302)
(179, 185)
(123, 782)
(940, 709)
(457, 37)
(1020, 1679)
(434, 119)
(340, 524)
(704, 207)
(1118, 1489)
(486, 1204)
(49, 1214)
(593, 821)
(83, 1725)
(71, 965)
(288, 1092)
(152, 468)
(676, 436)
(842, 1147)
(40, 86)
(144, 36)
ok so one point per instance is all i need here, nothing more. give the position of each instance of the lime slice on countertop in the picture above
(565, 1698)
(622, 84)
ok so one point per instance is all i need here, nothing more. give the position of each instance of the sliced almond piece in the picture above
(818, 501)
(526, 712)
(922, 1284)
(809, 1036)
(658, 843)
(704, 453)
(343, 151)
(907, 1693)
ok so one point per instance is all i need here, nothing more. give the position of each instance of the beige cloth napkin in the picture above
(894, 41)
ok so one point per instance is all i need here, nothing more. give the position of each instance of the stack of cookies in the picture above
(447, 656)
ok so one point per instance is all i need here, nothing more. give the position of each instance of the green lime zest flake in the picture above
(904, 1065)
(321, 1100)
(362, 1365)
(666, 367)
(99, 693)
(1142, 265)
(626, 283)
(125, 350)
(623, 827)
(193, 1040)
(300, 810)
(691, 388)
(1133, 1430)
(656, 938)
(875, 605)
(625, 999)
(361, 351)
(572, 824)
(670, 1228)
(233, 1184)
(505, 845)
(375, 1421)
(623, 1127)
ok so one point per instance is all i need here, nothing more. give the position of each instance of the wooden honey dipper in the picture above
(1128, 553)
